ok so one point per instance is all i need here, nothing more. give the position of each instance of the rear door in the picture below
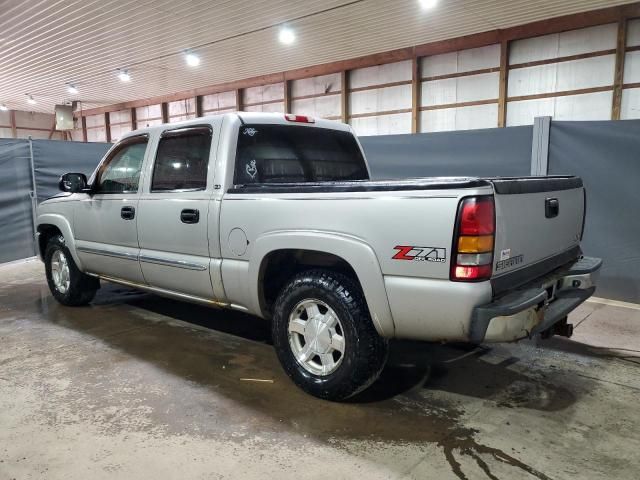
(539, 221)
(174, 213)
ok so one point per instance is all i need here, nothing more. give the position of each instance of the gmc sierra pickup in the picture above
(275, 215)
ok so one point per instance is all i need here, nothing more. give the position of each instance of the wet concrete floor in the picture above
(138, 386)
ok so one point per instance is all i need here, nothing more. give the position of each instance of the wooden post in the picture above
(198, 101)
(14, 128)
(84, 128)
(239, 99)
(504, 83)
(134, 119)
(164, 107)
(287, 96)
(53, 127)
(107, 126)
(344, 96)
(618, 78)
(416, 87)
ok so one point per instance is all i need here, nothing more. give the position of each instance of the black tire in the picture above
(365, 351)
(82, 288)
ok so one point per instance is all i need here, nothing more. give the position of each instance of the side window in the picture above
(121, 172)
(181, 160)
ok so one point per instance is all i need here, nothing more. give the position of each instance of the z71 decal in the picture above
(420, 254)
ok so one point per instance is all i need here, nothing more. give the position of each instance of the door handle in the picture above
(551, 207)
(190, 215)
(128, 213)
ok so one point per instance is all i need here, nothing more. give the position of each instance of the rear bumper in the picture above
(530, 310)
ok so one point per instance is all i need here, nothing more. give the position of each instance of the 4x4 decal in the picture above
(420, 254)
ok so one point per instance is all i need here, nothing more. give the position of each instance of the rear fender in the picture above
(355, 252)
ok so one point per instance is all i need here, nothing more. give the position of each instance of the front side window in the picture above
(120, 173)
(296, 154)
(182, 160)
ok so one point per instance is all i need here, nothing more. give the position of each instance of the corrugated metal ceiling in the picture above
(45, 44)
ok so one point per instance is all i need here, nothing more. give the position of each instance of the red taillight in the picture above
(473, 240)
(477, 217)
(298, 118)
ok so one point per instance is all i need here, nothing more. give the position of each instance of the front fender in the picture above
(358, 254)
(64, 226)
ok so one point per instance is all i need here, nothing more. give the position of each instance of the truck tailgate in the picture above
(539, 222)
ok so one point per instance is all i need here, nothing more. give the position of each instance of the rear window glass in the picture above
(181, 161)
(296, 154)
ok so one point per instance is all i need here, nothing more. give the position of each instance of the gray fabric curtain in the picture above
(489, 153)
(607, 157)
(16, 219)
(52, 158)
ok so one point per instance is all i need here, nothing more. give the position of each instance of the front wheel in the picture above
(67, 283)
(324, 336)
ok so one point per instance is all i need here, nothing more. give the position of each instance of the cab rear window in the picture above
(296, 154)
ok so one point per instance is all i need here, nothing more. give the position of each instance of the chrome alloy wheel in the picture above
(60, 271)
(316, 337)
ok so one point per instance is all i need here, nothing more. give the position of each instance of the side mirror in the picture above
(73, 183)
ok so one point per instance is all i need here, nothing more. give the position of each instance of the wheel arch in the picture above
(348, 254)
(50, 224)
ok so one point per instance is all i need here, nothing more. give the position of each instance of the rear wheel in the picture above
(67, 283)
(324, 336)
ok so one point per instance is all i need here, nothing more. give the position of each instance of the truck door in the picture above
(175, 212)
(105, 221)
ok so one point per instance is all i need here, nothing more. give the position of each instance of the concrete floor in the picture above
(137, 386)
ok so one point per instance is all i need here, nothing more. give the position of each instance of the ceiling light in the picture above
(192, 59)
(428, 4)
(30, 99)
(72, 89)
(4, 108)
(286, 36)
(124, 76)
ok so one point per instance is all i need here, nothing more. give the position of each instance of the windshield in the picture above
(296, 154)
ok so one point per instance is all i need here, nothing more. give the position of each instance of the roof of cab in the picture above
(246, 117)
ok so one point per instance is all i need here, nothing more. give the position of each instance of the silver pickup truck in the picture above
(275, 215)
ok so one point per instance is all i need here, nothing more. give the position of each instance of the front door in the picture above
(174, 214)
(105, 221)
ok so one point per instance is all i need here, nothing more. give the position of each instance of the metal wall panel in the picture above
(573, 42)
(387, 73)
(461, 61)
(145, 116)
(633, 33)
(383, 124)
(316, 85)
(632, 67)
(264, 93)
(321, 107)
(630, 104)
(277, 107)
(95, 121)
(564, 76)
(588, 106)
(380, 99)
(219, 101)
(461, 89)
